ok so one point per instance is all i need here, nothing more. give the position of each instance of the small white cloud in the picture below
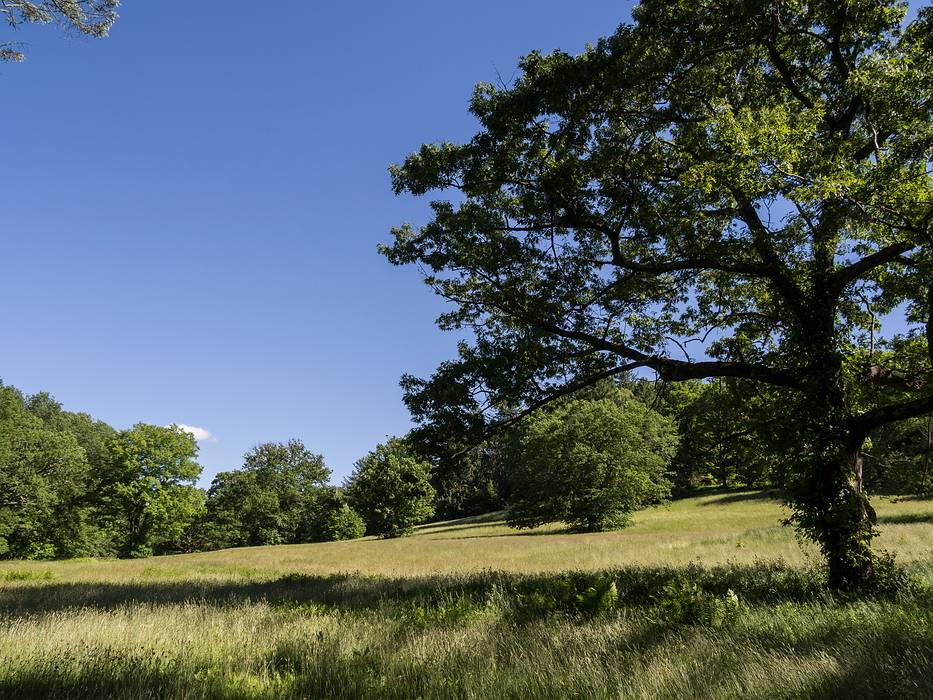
(200, 434)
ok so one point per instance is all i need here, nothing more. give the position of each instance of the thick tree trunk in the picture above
(829, 501)
(848, 526)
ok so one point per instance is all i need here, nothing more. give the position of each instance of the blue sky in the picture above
(191, 208)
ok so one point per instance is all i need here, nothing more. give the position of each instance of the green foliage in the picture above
(332, 519)
(42, 478)
(390, 488)
(892, 580)
(601, 598)
(684, 603)
(269, 500)
(590, 462)
(475, 481)
(746, 181)
(899, 458)
(89, 17)
(147, 494)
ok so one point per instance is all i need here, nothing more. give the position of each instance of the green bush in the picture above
(685, 603)
(590, 462)
(389, 487)
(342, 523)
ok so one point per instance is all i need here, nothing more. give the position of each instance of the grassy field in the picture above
(707, 597)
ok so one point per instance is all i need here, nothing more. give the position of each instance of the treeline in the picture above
(729, 434)
(72, 486)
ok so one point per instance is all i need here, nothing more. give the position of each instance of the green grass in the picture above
(472, 608)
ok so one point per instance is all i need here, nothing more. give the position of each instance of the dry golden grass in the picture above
(742, 527)
(473, 609)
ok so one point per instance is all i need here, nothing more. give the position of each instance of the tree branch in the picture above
(678, 370)
(565, 390)
(883, 415)
(850, 273)
(778, 273)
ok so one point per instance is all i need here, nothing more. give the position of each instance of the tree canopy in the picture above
(42, 474)
(148, 491)
(89, 17)
(729, 188)
(269, 500)
(590, 462)
(390, 488)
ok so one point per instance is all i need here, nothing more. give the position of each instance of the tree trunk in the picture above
(829, 502)
(848, 525)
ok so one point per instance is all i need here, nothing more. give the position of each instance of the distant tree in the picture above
(42, 478)
(332, 519)
(89, 17)
(473, 481)
(90, 537)
(93, 435)
(267, 501)
(390, 488)
(746, 180)
(147, 491)
(730, 433)
(590, 462)
(900, 458)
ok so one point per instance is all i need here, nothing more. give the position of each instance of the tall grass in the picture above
(225, 626)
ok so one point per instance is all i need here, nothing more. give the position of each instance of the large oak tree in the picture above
(724, 188)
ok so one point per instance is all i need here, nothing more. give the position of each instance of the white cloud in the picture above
(200, 434)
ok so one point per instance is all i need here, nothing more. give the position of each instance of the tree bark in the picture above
(829, 502)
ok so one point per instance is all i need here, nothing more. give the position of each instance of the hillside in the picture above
(710, 529)
(709, 597)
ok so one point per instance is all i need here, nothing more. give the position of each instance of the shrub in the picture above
(590, 463)
(686, 603)
(390, 489)
(341, 523)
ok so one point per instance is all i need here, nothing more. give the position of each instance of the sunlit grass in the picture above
(474, 609)
(739, 527)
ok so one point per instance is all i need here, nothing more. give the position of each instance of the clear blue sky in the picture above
(191, 208)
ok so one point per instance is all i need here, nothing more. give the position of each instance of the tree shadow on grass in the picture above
(905, 518)
(525, 533)
(494, 517)
(834, 657)
(424, 532)
(762, 582)
(742, 496)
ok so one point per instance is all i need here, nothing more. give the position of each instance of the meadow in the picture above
(708, 597)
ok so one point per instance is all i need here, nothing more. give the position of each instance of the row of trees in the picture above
(73, 486)
(723, 434)
(281, 496)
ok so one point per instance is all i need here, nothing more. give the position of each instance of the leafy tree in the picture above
(749, 178)
(267, 500)
(473, 481)
(90, 534)
(900, 457)
(94, 436)
(42, 477)
(590, 462)
(89, 17)
(730, 436)
(148, 493)
(332, 519)
(390, 488)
